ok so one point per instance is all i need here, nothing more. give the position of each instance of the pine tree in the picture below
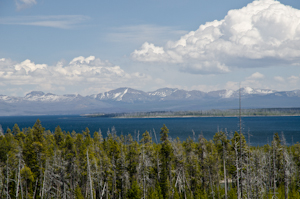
(59, 137)
(134, 192)
(78, 193)
(166, 155)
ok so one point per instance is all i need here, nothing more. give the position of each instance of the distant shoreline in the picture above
(188, 116)
(210, 116)
(261, 112)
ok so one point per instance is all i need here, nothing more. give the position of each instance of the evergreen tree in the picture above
(166, 155)
(134, 192)
(16, 129)
(35, 163)
(59, 137)
(78, 193)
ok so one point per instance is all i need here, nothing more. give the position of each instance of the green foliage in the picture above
(132, 158)
(54, 165)
(164, 133)
(78, 193)
(176, 195)
(59, 137)
(38, 131)
(16, 129)
(166, 156)
(155, 193)
(134, 192)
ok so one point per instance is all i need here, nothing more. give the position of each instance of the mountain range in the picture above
(131, 100)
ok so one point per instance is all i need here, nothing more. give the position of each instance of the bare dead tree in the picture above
(287, 167)
(155, 135)
(224, 169)
(179, 166)
(89, 175)
(18, 173)
(274, 168)
(249, 195)
(1, 131)
(237, 169)
(7, 179)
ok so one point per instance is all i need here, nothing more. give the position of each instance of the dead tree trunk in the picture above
(274, 169)
(89, 174)
(224, 167)
(237, 171)
(7, 178)
(19, 175)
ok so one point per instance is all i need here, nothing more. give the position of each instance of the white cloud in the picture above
(54, 21)
(256, 75)
(29, 66)
(22, 4)
(81, 75)
(293, 77)
(264, 33)
(149, 52)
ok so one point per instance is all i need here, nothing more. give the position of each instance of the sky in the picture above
(89, 47)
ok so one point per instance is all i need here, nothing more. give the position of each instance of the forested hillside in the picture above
(37, 163)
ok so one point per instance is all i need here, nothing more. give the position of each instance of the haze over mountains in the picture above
(131, 100)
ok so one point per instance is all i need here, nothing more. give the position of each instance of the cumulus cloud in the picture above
(85, 75)
(54, 21)
(256, 75)
(263, 33)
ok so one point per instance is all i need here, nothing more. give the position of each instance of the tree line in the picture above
(204, 113)
(37, 163)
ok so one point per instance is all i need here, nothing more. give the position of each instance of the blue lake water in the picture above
(261, 129)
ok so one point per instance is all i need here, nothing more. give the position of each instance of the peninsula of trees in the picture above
(204, 113)
(36, 163)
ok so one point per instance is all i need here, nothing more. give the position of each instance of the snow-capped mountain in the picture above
(39, 96)
(49, 97)
(244, 92)
(128, 100)
(131, 95)
(163, 92)
(9, 99)
(121, 94)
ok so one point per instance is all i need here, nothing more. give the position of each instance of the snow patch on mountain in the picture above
(227, 94)
(248, 90)
(49, 97)
(9, 99)
(163, 92)
(119, 96)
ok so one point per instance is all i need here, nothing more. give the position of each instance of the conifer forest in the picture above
(40, 164)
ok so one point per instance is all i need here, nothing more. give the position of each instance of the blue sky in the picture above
(95, 46)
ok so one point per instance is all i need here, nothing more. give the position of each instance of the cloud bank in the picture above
(264, 33)
(84, 75)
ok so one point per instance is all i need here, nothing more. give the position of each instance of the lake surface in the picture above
(261, 129)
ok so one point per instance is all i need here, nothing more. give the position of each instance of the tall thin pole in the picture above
(240, 109)
(240, 115)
